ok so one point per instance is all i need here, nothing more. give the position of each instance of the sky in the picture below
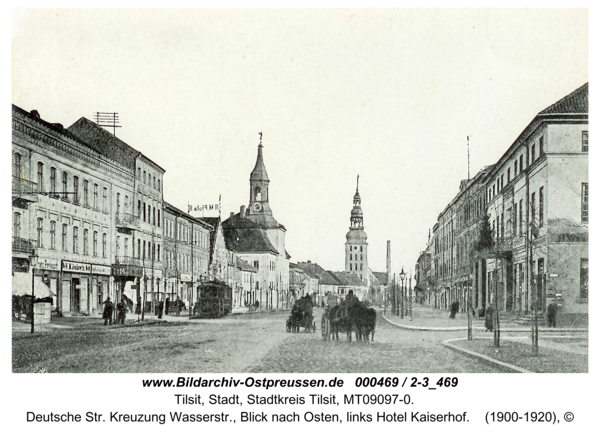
(387, 94)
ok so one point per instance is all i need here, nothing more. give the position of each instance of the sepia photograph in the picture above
(299, 190)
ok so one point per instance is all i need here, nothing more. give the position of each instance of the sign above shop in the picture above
(47, 264)
(82, 268)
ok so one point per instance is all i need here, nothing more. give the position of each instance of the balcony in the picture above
(127, 260)
(24, 190)
(22, 245)
(127, 221)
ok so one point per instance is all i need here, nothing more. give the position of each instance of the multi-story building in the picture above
(538, 209)
(137, 264)
(71, 220)
(186, 254)
(535, 199)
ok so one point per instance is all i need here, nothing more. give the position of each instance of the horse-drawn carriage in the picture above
(351, 315)
(301, 316)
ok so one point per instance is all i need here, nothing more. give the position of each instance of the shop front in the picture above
(83, 287)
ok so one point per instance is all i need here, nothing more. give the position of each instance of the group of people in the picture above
(109, 307)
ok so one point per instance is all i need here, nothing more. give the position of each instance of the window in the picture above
(76, 240)
(154, 182)
(520, 217)
(542, 146)
(515, 170)
(17, 169)
(118, 203)
(153, 215)
(126, 251)
(40, 177)
(158, 254)
(584, 203)
(521, 164)
(96, 196)
(104, 196)
(139, 249)
(95, 244)
(541, 223)
(533, 221)
(144, 177)
(86, 195)
(501, 182)
(508, 175)
(493, 190)
(126, 203)
(583, 279)
(256, 264)
(584, 141)
(52, 235)
(158, 217)
(139, 208)
(104, 245)
(139, 173)
(40, 232)
(159, 184)
(75, 190)
(65, 177)
(532, 153)
(144, 212)
(497, 186)
(17, 225)
(85, 242)
(144, 251)
(63, 245)
(53, 182)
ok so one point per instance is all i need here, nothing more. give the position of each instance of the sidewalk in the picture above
(561, 349)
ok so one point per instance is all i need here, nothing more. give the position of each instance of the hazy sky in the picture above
(387, 94)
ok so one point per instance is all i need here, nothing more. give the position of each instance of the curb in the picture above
(511, 368)
(481, 328)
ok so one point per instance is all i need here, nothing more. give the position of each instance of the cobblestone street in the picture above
(394, 350)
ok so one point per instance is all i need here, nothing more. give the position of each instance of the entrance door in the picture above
(75, 292)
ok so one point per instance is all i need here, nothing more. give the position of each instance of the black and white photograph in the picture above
(390, 193)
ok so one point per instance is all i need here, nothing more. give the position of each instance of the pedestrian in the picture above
(108, 311)
(489, 318)
(256, 305)
(453, 309)
(121, 312)
(138, 306)
(160, 309)
(167, 306)
(551, 314)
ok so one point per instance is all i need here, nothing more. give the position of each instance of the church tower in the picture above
(356, 242)
(259, 210)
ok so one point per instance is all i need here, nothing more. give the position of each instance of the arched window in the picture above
(257, 194)
(64, 238)
(40, 176)
(96, 196)
(75, 190)
(95, 244)
(65, 177)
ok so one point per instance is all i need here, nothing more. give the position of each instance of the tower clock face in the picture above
(257, 207)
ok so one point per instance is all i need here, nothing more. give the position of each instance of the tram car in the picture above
(214, 300)
(301, 316)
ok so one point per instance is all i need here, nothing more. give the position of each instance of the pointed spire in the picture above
(259, 172)
(357, 176)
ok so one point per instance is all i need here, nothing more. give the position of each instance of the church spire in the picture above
(356, 216)
(259, 172)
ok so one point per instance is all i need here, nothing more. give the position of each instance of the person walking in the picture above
(108, 311)
(551, 314)
(489, 318)
(121, 312)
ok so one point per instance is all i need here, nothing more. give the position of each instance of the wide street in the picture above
(234, 344)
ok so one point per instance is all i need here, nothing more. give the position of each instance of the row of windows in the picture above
(148, 213)
(356, 257)
(355, 248)
(148, 179)
(65, 242)
(184, 262)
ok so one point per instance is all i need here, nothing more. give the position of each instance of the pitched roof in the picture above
(382, 277)
(242, 235)
(244, 265)
(104, 142)
(316, 271)
(348, 279)
(575, 102)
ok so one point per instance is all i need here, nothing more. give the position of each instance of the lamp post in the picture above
(33, 259)
(402, 276)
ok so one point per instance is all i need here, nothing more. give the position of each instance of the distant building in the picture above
(357, 260)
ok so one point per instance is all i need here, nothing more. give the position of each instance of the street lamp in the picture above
(402, 276)
(33, 259)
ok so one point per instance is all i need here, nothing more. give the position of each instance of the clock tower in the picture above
(259, 210)
(356, 242)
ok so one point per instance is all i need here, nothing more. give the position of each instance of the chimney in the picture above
(242, 211)
(230, 214)
(388, 265)
(35, 113)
